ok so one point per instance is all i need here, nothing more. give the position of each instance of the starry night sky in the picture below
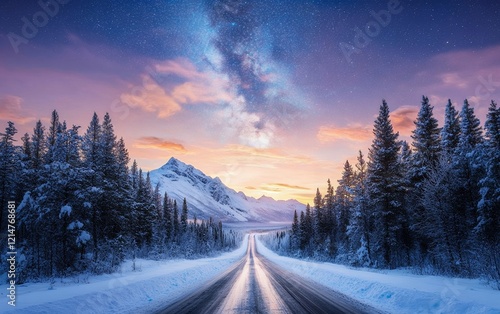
(263, 94)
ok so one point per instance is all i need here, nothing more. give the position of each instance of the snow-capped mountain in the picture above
(209, 197)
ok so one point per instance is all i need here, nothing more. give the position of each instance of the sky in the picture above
(270, 96)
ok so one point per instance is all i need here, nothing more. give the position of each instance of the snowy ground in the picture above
(396, 291)
(157, 283)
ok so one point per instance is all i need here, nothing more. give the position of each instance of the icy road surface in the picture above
(256, 285)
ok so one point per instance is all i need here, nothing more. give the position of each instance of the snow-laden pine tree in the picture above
(107, 165)
(55, 210)
(359, 229)
(306, 230)
(295, 232)
(184, 216)
(26, 149)
(470, 130)
(384, 188)
(492, 126)
(145, 214)
(93, 193)
(441, 229)
(450, 133)
(167, 217)
(426, 143)
(107, 150)
(469, 170)
(54, 128)
(344, 196)
(468, 153)
(176, 223)
(24, 181)
(405, 159)
(8, 170)
(331, 216)
(488, 207)
(320, 223)
(134, 175)
(39, 145)
(90, 144)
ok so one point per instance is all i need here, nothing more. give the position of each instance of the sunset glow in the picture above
(266, 101)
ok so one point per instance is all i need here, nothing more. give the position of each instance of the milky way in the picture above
(255, 81)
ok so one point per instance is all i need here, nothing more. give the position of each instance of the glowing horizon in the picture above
(262, 96)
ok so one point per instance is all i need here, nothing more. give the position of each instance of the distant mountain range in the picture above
(209, 197)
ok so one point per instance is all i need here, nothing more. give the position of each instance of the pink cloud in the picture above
(356, 132)
(471, 74)
(151, 97)
(11, 109)
(403, 117)
(179, 67)
(199, 87)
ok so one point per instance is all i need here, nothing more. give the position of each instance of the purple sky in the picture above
(261, 94)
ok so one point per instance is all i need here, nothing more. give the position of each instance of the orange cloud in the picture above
(277, 187)
(353, 133)
(11, 110)
(151, 97)
(288, 186)
(196, 87)
(403, 117)
(158, 143)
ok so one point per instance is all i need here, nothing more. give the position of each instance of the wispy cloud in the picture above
(159, 143)
(403, 117)
(152, 98)
(174, 84)
(11, 109)
(277, 187)
(470, 73)
(289, 186)
(454, 79)
(354, 132)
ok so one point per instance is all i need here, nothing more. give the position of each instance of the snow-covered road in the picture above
(158, 284)
(256, 285)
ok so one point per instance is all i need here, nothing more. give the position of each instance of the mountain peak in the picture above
(174, 163)
(266, 198)
(210, 197)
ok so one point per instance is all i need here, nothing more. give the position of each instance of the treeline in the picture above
(434, 206)
(81, 208)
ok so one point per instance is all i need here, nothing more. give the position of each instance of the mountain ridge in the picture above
(210, 197)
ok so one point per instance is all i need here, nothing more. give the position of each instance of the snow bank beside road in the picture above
(157, 283)
(396, 291)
